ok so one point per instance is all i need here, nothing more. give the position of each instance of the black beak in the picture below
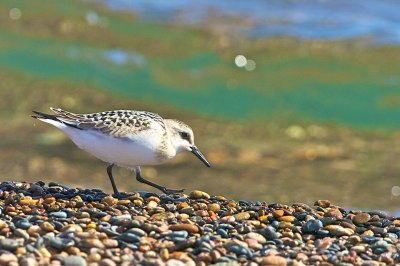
(199, 155)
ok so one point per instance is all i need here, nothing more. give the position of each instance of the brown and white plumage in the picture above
(125, 137)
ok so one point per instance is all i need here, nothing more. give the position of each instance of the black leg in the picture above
(163, 189)
(109, 172)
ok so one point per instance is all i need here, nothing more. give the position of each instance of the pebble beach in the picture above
(53, 224)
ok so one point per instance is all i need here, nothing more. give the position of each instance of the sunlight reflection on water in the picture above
(114, 56)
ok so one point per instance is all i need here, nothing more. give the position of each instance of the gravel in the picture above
(57, 225)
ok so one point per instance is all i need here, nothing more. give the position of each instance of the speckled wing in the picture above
(118, 123)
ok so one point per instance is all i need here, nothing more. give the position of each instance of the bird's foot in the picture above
(171, 191)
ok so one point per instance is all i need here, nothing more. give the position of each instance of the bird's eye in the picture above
(184, 135)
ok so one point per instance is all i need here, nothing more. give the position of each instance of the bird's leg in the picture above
(109, 172)
(163, 189)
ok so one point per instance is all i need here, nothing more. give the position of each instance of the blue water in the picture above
(376, 20)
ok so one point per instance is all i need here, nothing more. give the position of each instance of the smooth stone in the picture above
(315, 258)
(323, 203)
(23, 224)
(179, 234)
(368, 239)
(273, 260)
(110, 243)
(379, 250)
(380, 213)
(175, 262)
(162, 216)
(370, 263)
(28, 262)
(242, 216)
(190, 228)
(92, 243)
(72, 228)
(74, 261)
(118, 218)
(260, 238)
(225, 260)
(311, 227)
(379, 230)
(59, 214)
(107, 262)
(287, 218)
(21, 233)
(99, 214)
(9, 244)
(269, 233)
(7, 258)
(197, 194)
(358, 249)
(361, 218)
(129, 237)
(109, 200)
(240, 250)
(61, 243)
(380, 243)
(213, 207)
(110, 232)
(328, 220)
(347, 224)
(137, 231)
(222, 232)
(324, 243)
(335, 213)
(337, 230)
(46, 226)
(354, 239)
(278, 213)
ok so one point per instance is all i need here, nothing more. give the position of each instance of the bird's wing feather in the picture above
(119, 123)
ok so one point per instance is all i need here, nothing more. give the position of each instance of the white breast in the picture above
(138, 149)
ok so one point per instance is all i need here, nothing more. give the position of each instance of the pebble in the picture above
(74, 261)
(21, 233)
(9, 244)
(23, 224)
(28, 262)
(107, 262)
(190, 228)
(274, 260)
(337, 230)
(197, 194)
(323, 203)
(129, 237)
(59, 215)
(335, 213)
(7, 258)
(270, 233)
(241, 216)
(260, 238)
(311, 227)
(361, 218)
(57, 225)
(61, 243)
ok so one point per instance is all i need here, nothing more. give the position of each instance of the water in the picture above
(377, 20)
(341, 88)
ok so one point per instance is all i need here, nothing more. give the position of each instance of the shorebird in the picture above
(126, 138)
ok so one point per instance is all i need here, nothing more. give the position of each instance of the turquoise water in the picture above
(358, 102)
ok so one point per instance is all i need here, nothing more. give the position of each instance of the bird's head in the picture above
(182, 138)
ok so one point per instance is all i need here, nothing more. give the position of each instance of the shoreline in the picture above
(56, 225)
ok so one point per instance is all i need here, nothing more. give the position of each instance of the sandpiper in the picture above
(126, 138)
